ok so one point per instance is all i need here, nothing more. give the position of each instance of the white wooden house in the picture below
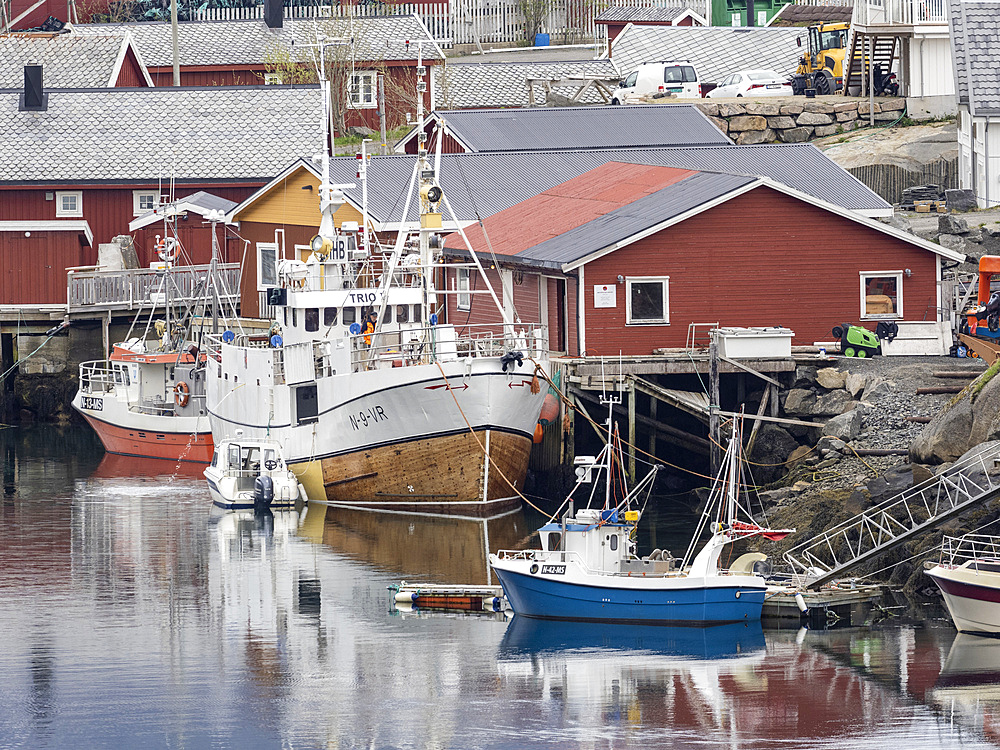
(975, 30)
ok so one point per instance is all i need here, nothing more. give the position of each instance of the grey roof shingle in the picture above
(715, 51)
(68, 61)
(137, 135)
(629, 220)
(503, 84)
(562, 128)
(642, 13)
(248, 42)
(975, 34)
(480, 184)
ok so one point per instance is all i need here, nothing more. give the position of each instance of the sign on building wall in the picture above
(605, 295)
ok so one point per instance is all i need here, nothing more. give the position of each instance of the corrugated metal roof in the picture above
(249, 42)
(715, 51)
(552, 128)
(67, 61)
(129, 135)
(644, 213)
(976, 46)
(640, 13)
(504, 84)
(485, 183)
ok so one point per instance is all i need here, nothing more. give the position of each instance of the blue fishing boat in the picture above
(587, 568)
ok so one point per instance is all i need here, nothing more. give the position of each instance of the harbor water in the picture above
(135, 616)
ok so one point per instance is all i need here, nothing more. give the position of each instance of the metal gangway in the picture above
(885, 526)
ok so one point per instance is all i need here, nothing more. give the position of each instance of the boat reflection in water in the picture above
(113, 466)
(639, 676)
(421, 547)
(528, 636)
(968, 687)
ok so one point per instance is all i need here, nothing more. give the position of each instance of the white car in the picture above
(752, 83)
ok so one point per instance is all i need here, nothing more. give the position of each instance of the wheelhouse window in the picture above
(647, 300)
(464, 300)
(329, 316)
(881, 295)
(350, 315)
(403, 314)
(312, 319)
(267, 265)
(69, 203)
(361, 89)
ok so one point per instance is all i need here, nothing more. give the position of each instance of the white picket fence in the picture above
(476, 22)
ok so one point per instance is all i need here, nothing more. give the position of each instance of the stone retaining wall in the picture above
(796, 119)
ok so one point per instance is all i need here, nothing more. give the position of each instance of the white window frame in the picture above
(263, 247)
(137, 196)
(75, 213)
(665, 281)
(463, 280)
(363, 78)
(864, 277)
(272, 79)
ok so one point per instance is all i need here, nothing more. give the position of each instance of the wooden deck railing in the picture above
(903, 12)
(135, 288)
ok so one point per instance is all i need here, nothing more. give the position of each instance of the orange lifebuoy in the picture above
(181, 394)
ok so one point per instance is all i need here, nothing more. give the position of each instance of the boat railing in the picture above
(419, 345)
(980, 548)
(97, 377)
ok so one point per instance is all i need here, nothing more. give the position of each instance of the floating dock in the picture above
(840, 604)
(449, 598)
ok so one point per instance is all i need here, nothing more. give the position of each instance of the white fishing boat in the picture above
(248, 474)
(587, 568)
(968, 574)
(148, 398)
(375, 400)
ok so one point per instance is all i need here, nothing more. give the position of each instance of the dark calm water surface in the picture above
(132, 616)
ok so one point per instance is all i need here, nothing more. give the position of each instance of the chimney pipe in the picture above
(273, 13)
(33, 98)
(751, 21)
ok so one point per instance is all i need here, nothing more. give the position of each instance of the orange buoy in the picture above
(539, 433)
(550, 409)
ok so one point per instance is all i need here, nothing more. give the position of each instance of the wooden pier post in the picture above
(713, 407)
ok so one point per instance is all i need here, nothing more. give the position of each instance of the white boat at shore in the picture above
(248, 474)
(968, 575)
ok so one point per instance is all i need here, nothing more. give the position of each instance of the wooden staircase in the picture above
(885, 52)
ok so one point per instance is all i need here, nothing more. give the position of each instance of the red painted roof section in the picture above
(569, 205)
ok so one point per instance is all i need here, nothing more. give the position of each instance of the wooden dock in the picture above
(841, 604)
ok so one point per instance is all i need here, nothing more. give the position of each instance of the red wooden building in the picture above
(75, 174)
(617, 17)
(274, 50)
(644, 251)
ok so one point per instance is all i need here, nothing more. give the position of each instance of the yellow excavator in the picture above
(822, 65)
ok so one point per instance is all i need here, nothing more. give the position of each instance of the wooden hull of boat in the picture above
(423, 475)
(631, 600)
(973, 600)
(174, 446)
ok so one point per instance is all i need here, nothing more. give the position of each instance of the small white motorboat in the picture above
(968, 575)
(251, 474)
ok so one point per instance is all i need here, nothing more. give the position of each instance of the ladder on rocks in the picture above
(883, 527)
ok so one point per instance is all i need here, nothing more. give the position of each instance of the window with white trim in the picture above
(464, 300)
(143, 201)
(267, 265)
(69, 203)
(272, 79)
(881, 295)
(362, 90)
(647, 300)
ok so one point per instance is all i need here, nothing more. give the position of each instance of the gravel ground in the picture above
(886, 407)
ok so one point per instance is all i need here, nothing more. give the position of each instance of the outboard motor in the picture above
(263, 494)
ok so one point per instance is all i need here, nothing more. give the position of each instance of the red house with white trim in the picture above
(645, 250)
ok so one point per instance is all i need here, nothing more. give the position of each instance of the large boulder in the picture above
(961, 200)
(830, 378)
(846, 426)
(946, 436)
(986, 414)
(832, 403)
(948, 224)
(854, 383)
(799, 402)
(772, 446)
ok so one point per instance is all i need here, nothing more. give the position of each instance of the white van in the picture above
(677, 77)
